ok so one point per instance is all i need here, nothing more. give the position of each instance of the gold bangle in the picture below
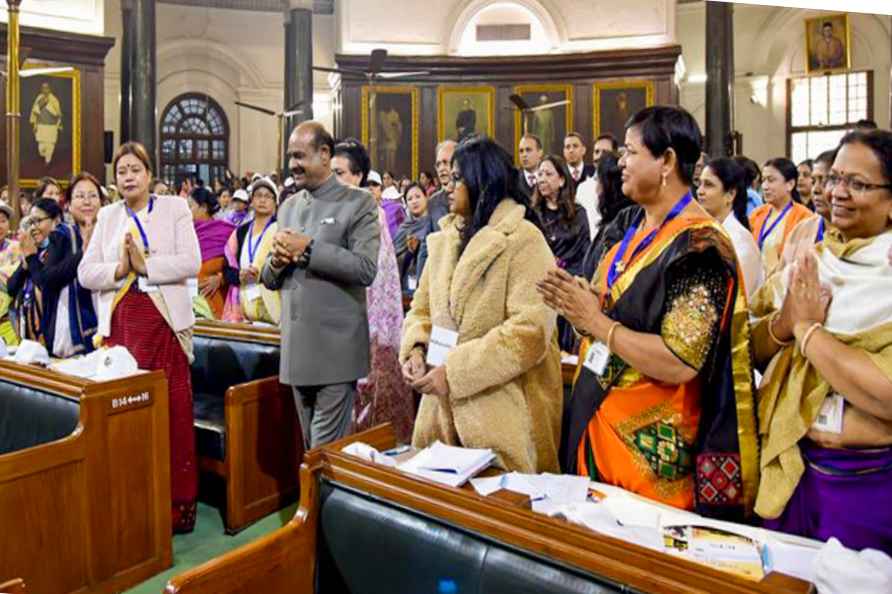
(771, 333)
(807, 336)
(610, 332)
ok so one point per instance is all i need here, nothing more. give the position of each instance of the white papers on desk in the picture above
(546, 491)
(448, 465)
(100, 365)
(367, 452)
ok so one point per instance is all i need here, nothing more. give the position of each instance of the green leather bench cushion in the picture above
(30, 417)
(368, 546)
(220, 364)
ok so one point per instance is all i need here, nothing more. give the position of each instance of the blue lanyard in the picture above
(616, 269)
(820, 237)
(766, 229)
(252, 246)
(142, 232)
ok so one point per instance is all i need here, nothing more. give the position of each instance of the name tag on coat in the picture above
(442, 342)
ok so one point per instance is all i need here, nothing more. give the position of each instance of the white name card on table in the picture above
(442, 342)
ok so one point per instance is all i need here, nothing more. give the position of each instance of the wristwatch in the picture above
(304, 259)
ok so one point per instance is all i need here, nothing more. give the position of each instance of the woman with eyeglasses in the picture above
(773, 222)
(141, 256)
(663, 400)
(824, 335)
(246, 251)
(69, 317)
(477, 343)
(34, 239)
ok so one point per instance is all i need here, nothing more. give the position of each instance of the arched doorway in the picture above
(194, 140)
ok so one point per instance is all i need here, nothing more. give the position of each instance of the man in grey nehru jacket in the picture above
(323, 258)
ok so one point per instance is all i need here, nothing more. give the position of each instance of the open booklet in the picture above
(449, 465)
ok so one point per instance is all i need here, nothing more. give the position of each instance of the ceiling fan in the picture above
(374, 72)
(526, 109)
(296, 109)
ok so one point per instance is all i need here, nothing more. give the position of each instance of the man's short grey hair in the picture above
(442, 144)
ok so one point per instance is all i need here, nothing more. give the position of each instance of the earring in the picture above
(664, 179)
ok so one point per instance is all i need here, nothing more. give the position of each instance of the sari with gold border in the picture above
(692, 445)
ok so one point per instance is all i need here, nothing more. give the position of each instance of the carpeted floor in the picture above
(208, 541)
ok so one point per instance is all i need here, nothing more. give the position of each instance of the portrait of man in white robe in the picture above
(46, 122)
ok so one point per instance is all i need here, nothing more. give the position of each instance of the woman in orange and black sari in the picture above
(662, 404)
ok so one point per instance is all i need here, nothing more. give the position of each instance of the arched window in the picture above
(194, 140)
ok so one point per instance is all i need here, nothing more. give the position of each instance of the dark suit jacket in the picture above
(588, 170)
(522, 185)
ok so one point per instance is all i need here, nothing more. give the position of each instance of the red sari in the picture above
(138, 325)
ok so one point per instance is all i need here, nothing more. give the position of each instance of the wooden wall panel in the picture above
(503, 73)
(86, 53)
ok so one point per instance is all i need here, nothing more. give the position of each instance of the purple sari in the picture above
(844, 494)
(212, 236)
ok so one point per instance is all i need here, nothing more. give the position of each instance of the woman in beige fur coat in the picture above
(500, 386)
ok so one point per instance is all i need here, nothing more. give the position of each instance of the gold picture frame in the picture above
(460, 104)
(828, 44)
(535, 94)
(393, 106)
(43, 151)
(608, 114)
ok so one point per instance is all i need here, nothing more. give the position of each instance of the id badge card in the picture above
(192, 286)
(413, 283)
(145, 287)
(442, 342)
(830, 416)
(596, 358)
(252, 292)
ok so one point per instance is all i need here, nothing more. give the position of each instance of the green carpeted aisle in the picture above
(209, 541)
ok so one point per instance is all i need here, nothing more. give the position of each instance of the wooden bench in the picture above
(247, 430)
(86, 510)
(364, 528)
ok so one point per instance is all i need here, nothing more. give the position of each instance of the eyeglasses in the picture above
(856, 186)
(457, 178)
(35, 220)
(90, 196)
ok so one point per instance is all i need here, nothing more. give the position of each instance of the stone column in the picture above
(143, 76)
(298, 65)
(720, 77)
(127, 22)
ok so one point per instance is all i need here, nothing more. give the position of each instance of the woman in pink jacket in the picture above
(143, 262)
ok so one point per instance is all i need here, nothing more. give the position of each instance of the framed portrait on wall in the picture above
(828, 44)
(50, 133)
(390, 128)
(552, 124)
(616, 101)
(465, 111)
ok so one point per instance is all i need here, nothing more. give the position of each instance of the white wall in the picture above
(412, 27)
(769, 49)
(73, 16)
(232, 56)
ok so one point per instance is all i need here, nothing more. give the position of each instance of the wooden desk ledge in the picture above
(16, 586)
(284, 561)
